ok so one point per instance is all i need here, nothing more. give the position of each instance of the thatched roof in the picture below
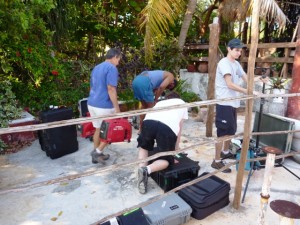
(233, 10)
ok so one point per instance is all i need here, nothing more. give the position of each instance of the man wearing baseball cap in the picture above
(228, 75)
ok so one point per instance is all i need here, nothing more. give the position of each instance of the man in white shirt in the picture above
(164, 128)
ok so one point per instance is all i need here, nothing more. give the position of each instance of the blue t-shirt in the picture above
(102, 75)
(156, 77)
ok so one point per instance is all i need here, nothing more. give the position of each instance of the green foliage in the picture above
(9, 109)
(186, 96)
(167, 56)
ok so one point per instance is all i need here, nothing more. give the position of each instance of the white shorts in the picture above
(94, 111)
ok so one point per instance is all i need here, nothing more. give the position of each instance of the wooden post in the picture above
(293, 109)
(212, 65)
(249, 104)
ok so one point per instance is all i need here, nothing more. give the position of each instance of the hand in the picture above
(256, 93)
(264, 79)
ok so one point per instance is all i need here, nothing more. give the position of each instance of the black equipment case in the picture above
(206, 196)
(59, 141)
(177, 174)
(134, 217)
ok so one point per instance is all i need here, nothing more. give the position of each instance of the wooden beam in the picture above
(249, 104)
(270, 59)
(195, 47)
(275, 45)
(212, 66)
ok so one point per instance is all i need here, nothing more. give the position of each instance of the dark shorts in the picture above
(226, 120)
(165, 138)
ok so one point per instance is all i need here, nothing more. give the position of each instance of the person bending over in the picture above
(149, 85)
(164, 128)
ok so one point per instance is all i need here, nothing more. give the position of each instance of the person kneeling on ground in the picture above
(165, 128)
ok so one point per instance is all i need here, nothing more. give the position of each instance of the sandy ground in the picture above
(88, 199)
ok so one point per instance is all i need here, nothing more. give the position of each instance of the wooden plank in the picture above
(195, 47)
(199, 59)
(275, 45)
(270, 59)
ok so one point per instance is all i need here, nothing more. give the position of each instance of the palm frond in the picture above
(156, 17)
(270, 10)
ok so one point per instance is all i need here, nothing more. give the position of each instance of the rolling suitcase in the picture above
(206, 196)
(177, 174)
(170, 210)
(57, 142)
(115, 130)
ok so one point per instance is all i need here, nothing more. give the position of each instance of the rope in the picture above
(132, 113)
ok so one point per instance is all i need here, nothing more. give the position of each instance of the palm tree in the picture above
(159, 14)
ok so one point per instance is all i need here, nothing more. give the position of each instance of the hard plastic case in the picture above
(59, 141)
(170, 210)
(177, 174)
(206, 196)
(115, 130)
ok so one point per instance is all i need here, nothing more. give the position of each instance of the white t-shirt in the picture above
(170, 117)
(225, 66)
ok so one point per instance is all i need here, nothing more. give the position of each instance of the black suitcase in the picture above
(134, 217)
(206, 196)
(59, 141)
(177, 174)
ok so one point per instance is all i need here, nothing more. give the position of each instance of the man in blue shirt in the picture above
(149, 85)
(102, 99)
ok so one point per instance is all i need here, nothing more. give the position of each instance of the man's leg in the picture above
(145, 105)
(96, 138)
(97, 154)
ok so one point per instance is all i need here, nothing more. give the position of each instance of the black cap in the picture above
(235, 43)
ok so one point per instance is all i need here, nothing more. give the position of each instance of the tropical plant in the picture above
(278, 82)
(9, 109)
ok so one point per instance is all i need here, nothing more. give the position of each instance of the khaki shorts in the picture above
(94, 111)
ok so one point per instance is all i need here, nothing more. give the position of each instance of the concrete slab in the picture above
(90, 198)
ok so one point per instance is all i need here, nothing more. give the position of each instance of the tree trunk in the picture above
(293, 110)
(191, 7)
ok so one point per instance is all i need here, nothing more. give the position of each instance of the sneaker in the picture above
(219, 165)
(142, 180)
(99, 157)
(229, 155)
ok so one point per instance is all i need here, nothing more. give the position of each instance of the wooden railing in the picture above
(288, 58)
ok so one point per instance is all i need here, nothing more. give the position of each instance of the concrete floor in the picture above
(87, 199)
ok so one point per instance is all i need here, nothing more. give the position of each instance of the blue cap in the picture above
(235, 43)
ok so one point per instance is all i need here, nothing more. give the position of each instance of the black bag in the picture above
(134, 217)
(177, 174)
(206, 196)
(59, 141)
